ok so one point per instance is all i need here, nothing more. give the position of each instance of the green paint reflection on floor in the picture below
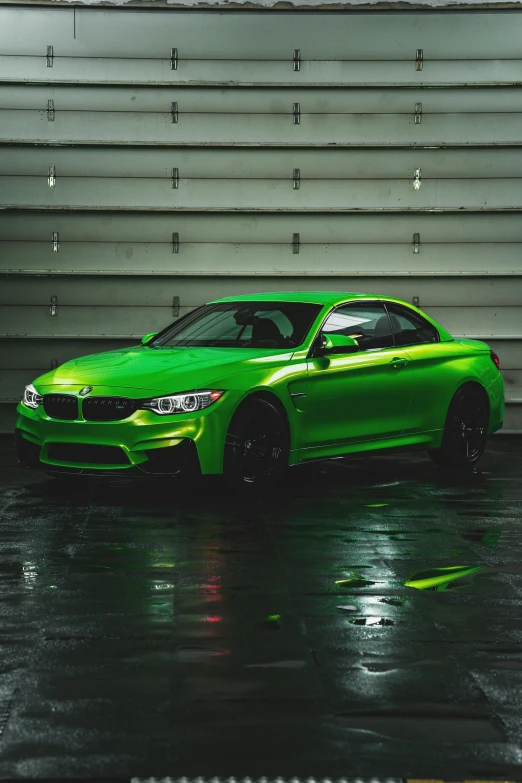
(354, 580)
(442, 578)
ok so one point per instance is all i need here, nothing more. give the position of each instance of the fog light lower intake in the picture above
(28, 453)
(172, 459)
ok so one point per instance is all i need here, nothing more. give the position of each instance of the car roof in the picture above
(313, 297)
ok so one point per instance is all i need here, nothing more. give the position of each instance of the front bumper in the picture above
(167, 461)
(144, 443)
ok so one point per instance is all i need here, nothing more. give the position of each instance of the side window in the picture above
(410, 328)
(367, 323)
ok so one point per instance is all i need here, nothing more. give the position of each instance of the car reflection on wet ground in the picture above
(365, 620)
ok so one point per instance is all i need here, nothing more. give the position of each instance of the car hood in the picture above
(158, 370)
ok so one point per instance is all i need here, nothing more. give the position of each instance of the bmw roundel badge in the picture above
(85, 391)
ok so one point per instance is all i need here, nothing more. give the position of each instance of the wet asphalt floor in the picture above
(147, 630)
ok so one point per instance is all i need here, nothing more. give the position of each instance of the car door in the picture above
(357, 396)
(431, 363)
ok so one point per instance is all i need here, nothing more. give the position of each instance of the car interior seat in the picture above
(382, 327)
(266, 331)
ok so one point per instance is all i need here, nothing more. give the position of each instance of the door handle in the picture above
(398, 362)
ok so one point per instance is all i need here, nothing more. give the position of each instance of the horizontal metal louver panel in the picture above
(218, 35)
(229, 259)
(87, 321)
(87, 70)
(261, 195)
(246, 129)
(259, 163)
(82, 127)
(193, 291)
(133, 100)
(264, 228)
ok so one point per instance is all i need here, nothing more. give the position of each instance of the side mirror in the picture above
(338, 343)
(145, 340)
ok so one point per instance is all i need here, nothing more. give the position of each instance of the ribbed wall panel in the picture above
(130, 180)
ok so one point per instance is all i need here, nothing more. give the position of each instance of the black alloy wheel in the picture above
(465, 430)
(256, 446)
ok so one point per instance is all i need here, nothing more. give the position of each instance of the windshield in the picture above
(242, 325)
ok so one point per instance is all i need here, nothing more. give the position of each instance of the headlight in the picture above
(31, 397)
(182, 403)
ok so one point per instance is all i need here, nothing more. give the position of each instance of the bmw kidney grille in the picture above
(61, 406)
(107, 408)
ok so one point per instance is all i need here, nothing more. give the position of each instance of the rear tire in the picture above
(256, 447)
(465, 430)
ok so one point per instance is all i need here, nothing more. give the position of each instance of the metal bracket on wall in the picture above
(51, 179)
(297, 59)
(295, 243)
(50, 111)
(55, 242)
(418, 113)
(49, 58)
(419, 59)
(174, 59)
(297, 113)
(174, 111)
(416, 243)
(415, 300)
(297, 179)
(175, 179)
(53, 309)
(175, 242)
(175, 306)
(417, 179)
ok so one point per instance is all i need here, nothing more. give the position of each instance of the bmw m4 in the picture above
(246, 386)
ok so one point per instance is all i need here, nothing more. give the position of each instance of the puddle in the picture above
(447, 578)
(393, 601)
(371, 621)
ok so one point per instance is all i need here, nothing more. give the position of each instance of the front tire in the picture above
(256, 447)
(465, 430)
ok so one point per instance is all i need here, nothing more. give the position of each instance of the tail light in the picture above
(495, 359)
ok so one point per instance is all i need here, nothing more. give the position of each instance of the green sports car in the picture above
(247, 385)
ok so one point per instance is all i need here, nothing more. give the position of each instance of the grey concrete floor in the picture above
(147, 630)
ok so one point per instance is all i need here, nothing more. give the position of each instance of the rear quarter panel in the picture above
(440, 369)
